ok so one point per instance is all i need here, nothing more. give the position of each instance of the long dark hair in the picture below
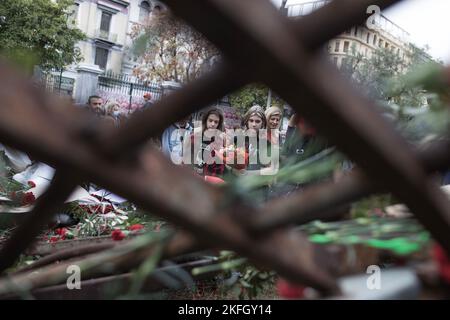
(216, 112)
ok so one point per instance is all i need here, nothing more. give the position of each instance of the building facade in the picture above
(359, 40)
(107, 25)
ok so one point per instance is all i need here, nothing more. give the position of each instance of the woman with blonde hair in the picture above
(273, 118)
(112, 110)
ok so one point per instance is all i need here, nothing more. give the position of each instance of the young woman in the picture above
(254, 120)
(212, 139)
(273, 118)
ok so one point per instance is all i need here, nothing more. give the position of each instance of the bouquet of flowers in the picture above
(235, 157)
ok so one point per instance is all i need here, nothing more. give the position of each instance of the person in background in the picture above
(112, 109)
(254, 124)
(212, 137)
(302, 141)
(147, 100)
(273, 119)
(173, 138)
(253, 121)
(95, 104)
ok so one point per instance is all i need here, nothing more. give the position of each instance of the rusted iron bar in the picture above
(317, 202)
(178, 105)
(119, 259)
(225, 79)
(44, 248)
(333, 19)
(435, 156)
(314, 203)
(67, 254)
(148, 182)
(338, 111)
(100, 288)
(263, 39)
(144, 185)
(46, 206)
(212, 222)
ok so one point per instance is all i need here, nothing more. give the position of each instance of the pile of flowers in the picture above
(18, 194)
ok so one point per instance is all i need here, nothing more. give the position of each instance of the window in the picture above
(335, 61)
(105, 22)
(101, 57)
(346, 45)
(144, 11)
(356, 32)
(336, 46)
(374, 40)
(365, 54)
(368, 37)
(344, 62)
(380, 43)
(386, 45)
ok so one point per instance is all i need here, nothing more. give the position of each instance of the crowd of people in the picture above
(256, 147)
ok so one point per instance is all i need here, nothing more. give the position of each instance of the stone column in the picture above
(169, 86)
(87, 82)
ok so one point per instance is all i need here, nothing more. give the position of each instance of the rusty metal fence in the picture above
(258, 45)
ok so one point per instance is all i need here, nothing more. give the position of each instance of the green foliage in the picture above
(38, 32)
(411, 91)
(252, 94)
(431, 116)
(372, 74)
(315, 168)
(244, 280)
(373, 204)
(400, 236)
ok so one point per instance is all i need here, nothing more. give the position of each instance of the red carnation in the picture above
(28, 198)
(61, 231)
(117, 235)
(108, 209)
(53, 239)
(443, 262)
(288, 290)
(136, 227)
(31, 184)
